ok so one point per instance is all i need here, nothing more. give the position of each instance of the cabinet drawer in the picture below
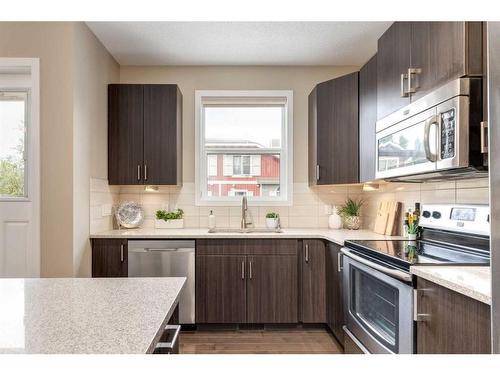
(220, 247)
(271, 247)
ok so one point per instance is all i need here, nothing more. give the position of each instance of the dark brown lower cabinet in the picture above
(334, 301)
(272, 289)
(221, 289)
(451, 323)
(109, 258)
(313, 282)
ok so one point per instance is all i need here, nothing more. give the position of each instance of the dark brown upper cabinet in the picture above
(414, 58)
(333, 131)
(144, 134)
(367, 119)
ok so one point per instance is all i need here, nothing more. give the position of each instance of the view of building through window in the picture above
(243, 148)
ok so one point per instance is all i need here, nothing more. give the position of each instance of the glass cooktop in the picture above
(419, 252)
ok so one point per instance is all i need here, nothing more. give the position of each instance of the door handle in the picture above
(122, 255)
(339, 262)
(433, 120)
(306, 253)
(416, 316)
(412, 72)
(138, 172)
(484, 137)
(317, 172)
(243, 270)
(250, 270)
(145, 172)
(403, 92)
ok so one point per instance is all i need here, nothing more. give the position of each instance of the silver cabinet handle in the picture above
(433, 120)
(138, 172)
(339, 262)
(121, 253)
(416, 316)
(250, 270)
(403, 92)
(145, 172)
(243, 270)
(317, 172)
(306, 253)
(412, 72)
(484, 137)
(170, 344)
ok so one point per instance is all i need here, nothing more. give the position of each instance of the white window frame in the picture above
(247, 97)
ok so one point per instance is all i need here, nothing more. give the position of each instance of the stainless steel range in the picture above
(378, 285)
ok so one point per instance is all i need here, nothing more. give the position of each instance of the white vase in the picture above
(334, 220)
(271, 223)
(412, 236)
(170, 224)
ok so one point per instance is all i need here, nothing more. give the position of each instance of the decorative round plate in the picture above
(130, 215)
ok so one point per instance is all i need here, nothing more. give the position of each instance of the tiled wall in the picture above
(308, 209)
(463, 192)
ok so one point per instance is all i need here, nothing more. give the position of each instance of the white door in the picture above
(19, 168)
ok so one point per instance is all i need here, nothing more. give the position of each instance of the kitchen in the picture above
(330, 202)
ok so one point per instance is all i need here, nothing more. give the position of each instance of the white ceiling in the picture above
(240, 43)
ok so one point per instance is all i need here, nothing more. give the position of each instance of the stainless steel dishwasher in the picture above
(172, 258)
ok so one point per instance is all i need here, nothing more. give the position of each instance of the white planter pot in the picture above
(170, 224)
(412, 237)
(271, 223)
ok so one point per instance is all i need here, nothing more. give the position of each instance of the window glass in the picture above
(12, 144)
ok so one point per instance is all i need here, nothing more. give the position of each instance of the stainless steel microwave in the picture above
(439, 136)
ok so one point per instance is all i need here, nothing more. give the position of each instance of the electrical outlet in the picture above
(327, 209)
(106, 209)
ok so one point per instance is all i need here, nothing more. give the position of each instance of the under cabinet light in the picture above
(151, 188)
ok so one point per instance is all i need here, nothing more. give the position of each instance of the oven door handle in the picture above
(400, 275)
(433, 120)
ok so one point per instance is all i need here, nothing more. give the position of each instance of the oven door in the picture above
(408, 147)
(378, 306)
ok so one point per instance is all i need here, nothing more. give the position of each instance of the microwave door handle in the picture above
(433, 120)
(388, 271)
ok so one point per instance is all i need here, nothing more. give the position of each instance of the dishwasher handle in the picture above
(159, 249)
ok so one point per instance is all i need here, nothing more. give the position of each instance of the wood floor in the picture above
(281, 341)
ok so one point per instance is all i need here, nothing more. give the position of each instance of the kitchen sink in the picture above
(247, 230)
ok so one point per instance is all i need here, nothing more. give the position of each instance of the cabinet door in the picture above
(453, 323)
(221, 289)
(337, 131)
(125, 134)
(444, 51)
(272, 287)
(313, 282)
(162, 137)
(393, 59)
(109, 258)
(334, 301)
(367, 120)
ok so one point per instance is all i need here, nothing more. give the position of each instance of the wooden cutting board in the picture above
(381, 219)
(394, 210)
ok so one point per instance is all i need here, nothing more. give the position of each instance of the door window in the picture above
(13, 130)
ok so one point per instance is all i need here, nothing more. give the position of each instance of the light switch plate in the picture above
(106, 209)
(327, 209)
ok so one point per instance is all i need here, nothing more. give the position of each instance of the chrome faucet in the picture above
(244, 209)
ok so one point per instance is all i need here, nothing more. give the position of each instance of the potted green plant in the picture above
(169, 219)
(413, 229)
(272, 220)
(350, 213)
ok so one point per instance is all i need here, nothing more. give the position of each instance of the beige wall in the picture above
(300, 79)
(53, 44)
(74, 71)
(94, 68)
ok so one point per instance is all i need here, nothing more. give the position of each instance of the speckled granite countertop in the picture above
(472, 281)
(334, 235)
(108, 315)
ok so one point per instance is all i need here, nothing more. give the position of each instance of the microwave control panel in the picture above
(448, 121)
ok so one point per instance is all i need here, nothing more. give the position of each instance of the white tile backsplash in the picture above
(307, 211)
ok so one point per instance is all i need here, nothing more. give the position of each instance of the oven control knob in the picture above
(426, 214)
(436, 215)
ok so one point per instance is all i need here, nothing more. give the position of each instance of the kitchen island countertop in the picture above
(85, 315)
